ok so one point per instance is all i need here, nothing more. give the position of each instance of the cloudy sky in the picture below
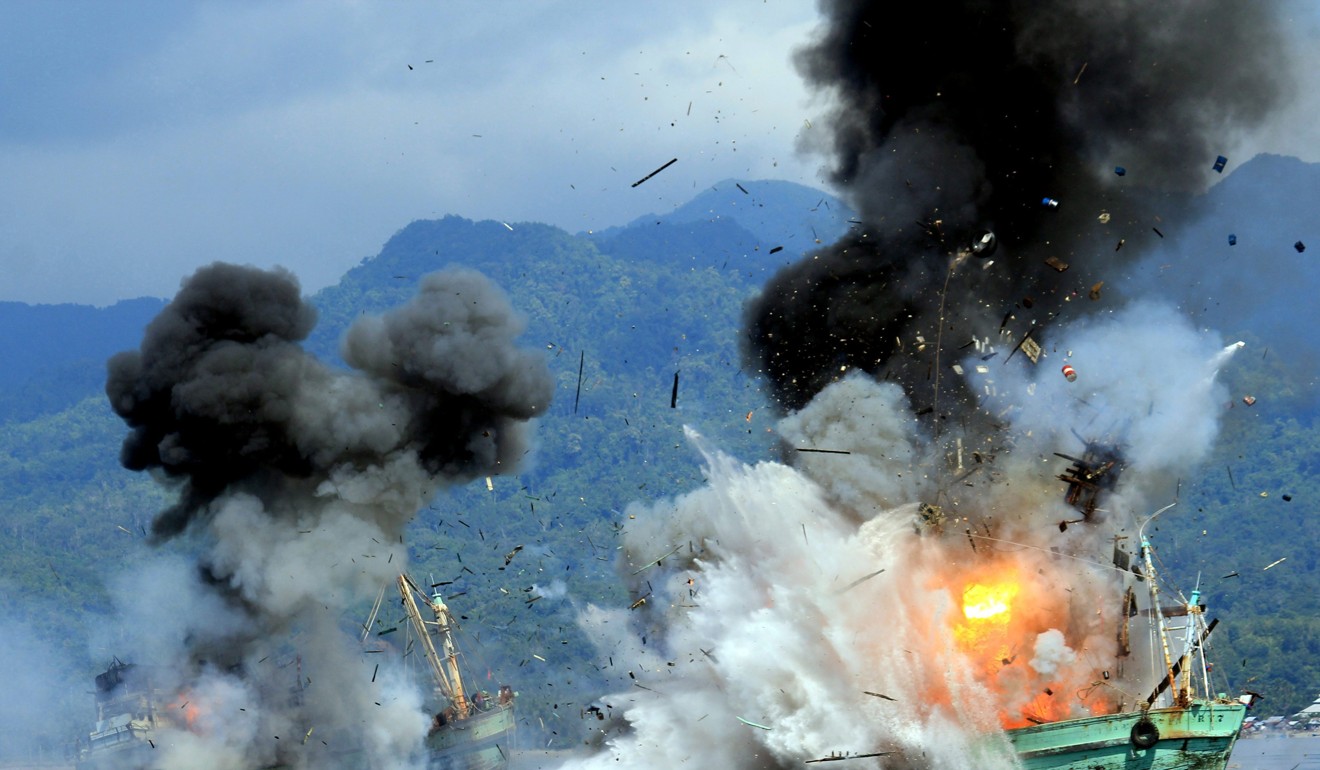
(141, 140)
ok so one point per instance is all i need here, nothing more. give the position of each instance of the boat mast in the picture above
(1170, 672)
(445, 669)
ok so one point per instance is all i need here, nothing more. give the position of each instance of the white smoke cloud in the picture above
(1051, 652)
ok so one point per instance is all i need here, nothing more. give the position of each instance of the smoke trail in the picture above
(295, 482)
(950, 118)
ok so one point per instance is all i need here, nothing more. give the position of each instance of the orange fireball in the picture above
(986, 602)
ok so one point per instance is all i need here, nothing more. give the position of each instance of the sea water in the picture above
(1276, 752)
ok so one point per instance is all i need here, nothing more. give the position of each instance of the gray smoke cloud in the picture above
(295, 483)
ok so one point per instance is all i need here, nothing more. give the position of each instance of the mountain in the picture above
(55, 354)
(777, 213)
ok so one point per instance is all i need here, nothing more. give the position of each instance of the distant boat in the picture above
(470, 729)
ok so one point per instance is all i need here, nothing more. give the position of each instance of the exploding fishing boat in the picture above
(470, 729)
(1181, 723)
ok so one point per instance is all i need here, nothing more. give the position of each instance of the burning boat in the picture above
(1181, 723)
(131, 706)
(470, 729)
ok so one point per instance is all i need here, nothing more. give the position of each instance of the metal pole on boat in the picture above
(1155, 599)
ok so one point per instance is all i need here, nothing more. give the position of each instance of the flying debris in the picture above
(984, 243)
(1056, 263)
(752, 724)
(657, 171)
(1232, 239)
(1050, 202)
(1096, 471)
(1220, 162)
(1070, 373)
(1120, 171)
(1300, 247)
(1249, 400)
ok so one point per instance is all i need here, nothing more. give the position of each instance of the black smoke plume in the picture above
(221, 394)
(951, 119)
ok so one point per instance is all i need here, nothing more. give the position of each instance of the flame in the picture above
(189, 709)
(982, 602)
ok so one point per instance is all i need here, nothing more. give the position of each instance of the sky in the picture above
(140, 141)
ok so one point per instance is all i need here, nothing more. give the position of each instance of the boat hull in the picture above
(1196, 737)
(480, 742)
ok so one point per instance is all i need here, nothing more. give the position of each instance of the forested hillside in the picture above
(641, 328)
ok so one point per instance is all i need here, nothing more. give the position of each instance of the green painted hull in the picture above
(480, 742)
(1199, 737)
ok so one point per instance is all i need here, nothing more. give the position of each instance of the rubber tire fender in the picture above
(1144, 733)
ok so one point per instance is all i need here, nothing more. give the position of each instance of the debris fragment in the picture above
(1287, 498)
(1079, 73)
(508, 557)
(1120, 243)
(1232, 239)
(1069, 373)
(984, 243)
(878, 695)
(823, 451)
(1104, 217)
(1275, 563)
(740, 187)
(1056, 263)
(835, 757)
(1232, 574)
(753, 724)
(1050, 202)
(654, 562)
(1249, 400)
(653, 173)
(582, 358)
(1095, 290)
(1300, 247)
(1031, 349)
(859, 581)
(1157, 231)
(673, 396)
(1220, 162)
(776, 249)
(1119, 170)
